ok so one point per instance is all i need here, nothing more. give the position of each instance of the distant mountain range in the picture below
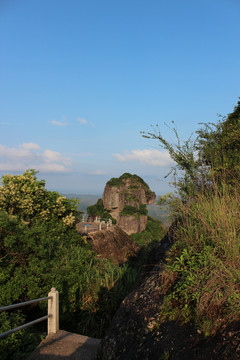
(87, 200)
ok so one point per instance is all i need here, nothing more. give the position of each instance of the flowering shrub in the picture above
(26, 197)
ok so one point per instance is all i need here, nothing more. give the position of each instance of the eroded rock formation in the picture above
(132, 224)
(124, 194)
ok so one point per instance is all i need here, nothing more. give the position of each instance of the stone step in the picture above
(66, 346)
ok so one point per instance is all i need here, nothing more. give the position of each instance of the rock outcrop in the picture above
(113, 244)
(132, 224)
(138, 333)
(128, 192)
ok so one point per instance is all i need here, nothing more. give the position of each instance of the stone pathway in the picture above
(66, 346)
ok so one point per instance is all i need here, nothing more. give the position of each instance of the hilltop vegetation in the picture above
(135, 183)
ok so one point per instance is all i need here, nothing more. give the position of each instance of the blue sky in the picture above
(79, 81)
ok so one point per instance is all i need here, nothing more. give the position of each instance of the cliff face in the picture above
(132, 224)
(128, 191)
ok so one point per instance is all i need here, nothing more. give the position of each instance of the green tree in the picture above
(99, 210)
(219, 144)
(26, 197)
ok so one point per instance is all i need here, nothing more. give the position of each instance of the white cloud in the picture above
(30, 146)
(29, 156)
(9, 153)
(58, 123)
(151, 157)
(82, 121)
(54, 156)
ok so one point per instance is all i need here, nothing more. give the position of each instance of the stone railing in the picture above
(97, 225)
(53, 313)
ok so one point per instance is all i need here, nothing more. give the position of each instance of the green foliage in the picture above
(19, 344)
(219, 146)
(50, 254)
(115, 182)
(32, 260)
(102, 300)
(26, 198)
(201, 280)
(134, 179)
(151, 236)
(99, 210)
(143, 209)
(129, 210)
(126, 176)
(39, 250)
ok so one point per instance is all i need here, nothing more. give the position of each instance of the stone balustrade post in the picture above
(53, 310)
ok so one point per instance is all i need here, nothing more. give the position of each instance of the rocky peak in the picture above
(125, 197)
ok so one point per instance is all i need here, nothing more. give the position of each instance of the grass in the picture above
(98, 305)
(202, 276)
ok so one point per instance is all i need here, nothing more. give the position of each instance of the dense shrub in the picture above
(99, 210)
(129, 210)
(26, 198)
